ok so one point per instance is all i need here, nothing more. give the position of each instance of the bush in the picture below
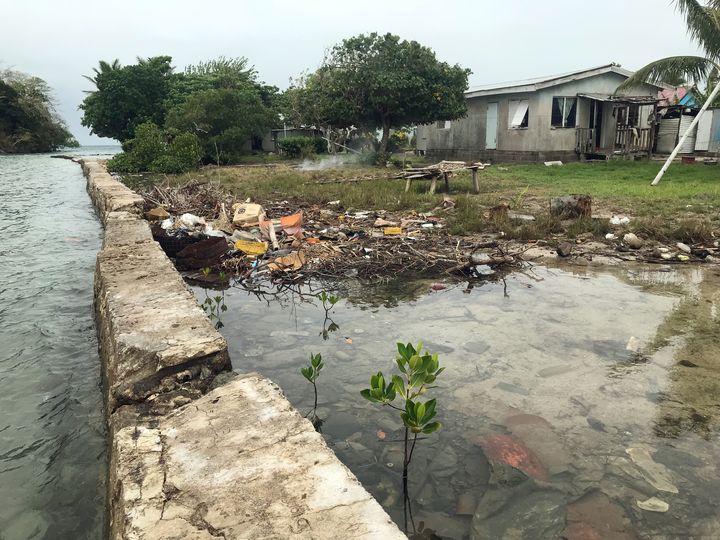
(151, 151)
(320, 145)
(398, 141)
(297, 147)
(123, 162)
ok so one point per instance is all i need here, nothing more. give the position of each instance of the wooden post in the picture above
(476, 184)
(407, 184)
(447, 183)
(433, 185)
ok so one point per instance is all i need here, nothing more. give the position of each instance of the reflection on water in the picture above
(573, 404)
(51, 424)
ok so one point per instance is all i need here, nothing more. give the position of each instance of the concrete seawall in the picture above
(196, 452)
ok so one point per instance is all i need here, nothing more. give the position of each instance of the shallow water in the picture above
(610, 380)
(52, 440)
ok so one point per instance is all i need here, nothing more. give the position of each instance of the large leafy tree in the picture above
(28, 119)
(382, 82)
(703, 24)
(127, 96)
(222, 102)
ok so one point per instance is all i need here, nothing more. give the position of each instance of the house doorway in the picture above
(596, 116)
(491, 125)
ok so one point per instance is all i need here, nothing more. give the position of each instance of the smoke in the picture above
(331, 162)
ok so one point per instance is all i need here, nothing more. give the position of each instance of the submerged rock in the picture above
(512, 451)
(596, 517)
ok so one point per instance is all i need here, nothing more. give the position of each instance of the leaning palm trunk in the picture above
(694, 123)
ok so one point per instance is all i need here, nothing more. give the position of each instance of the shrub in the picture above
(297, 147)
(320, 145)
(151, 151)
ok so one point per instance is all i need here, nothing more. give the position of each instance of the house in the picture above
(561, 117)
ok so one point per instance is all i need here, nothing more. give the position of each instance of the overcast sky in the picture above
(499, 41)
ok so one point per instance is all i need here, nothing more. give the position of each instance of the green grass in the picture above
(683, 207)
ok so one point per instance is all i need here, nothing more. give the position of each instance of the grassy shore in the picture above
(684, 207)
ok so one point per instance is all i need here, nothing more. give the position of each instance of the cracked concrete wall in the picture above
(188, 458)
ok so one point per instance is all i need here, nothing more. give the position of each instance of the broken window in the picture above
(443, 124)
(518, 113)
(563, 111)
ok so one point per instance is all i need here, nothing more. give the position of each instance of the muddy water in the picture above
(573, 403)
(52, 448)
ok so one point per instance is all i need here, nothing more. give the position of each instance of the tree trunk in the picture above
(385, 138)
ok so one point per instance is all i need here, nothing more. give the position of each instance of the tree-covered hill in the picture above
(29, 122)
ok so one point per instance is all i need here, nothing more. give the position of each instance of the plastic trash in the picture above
(191, 220)
(250, 247)
(619, 220)
(389, 231)
(167, 223)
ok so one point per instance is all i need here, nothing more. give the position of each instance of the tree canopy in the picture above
(127, 96)
(381, 82)
(28, 119)
(703, 24)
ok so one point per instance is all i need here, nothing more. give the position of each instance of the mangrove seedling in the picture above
(328, 302)
(214, 306)
(419, 371)
(311, 372)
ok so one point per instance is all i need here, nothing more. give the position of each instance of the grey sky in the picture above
(498, 40)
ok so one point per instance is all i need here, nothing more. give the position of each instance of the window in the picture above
(518, 113)
(443, 124)
(563, 111)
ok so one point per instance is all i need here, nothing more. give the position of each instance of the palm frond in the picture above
(693, 69)
(703, 24)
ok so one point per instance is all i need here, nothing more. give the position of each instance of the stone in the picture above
(157, 214)
(571, 206)
(466, 504)
(520, 513)
(538, 435)
(240, 462)
(683, 247)
(633, 241)
(653, 504)
(564, 249)
(510, 450)
(595, 517)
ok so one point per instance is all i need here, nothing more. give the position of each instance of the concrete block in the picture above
(239, 462)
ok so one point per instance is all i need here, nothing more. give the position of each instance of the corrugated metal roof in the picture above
(635, 100)
(532, 85)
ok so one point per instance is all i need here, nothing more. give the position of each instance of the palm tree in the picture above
(703, 23)
(105, 67)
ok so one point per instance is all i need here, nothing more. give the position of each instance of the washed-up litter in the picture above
(206, 227)
(248, 214)
(251, 248)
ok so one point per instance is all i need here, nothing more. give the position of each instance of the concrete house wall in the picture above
(465, 139)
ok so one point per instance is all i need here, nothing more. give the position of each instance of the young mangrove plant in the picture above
(328, 302)
(419, 371)
(311, 372)
(214, 306)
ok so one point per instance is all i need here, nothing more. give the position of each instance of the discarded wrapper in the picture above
(251, 248)
(388, 231)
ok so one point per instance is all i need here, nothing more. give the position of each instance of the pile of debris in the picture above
(242, 239)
